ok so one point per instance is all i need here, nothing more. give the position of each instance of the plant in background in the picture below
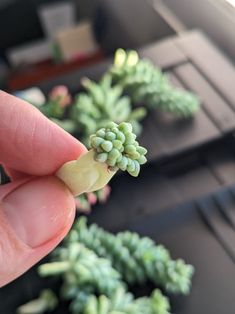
(46, 302)
(95, 267)
(121, 302)
(58, 100)
(101, 103)
(137, 259)
(124, 303)
(81, 268)
(85, 275)
(146, 84)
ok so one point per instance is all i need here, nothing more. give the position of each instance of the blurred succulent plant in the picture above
(144, 83)
(102, 103)
(137, 259)
(93, 264)
(61, 95)
(54, 108)
(58, 99)
(120, 302)
(124, 303)
(129, 80)
(46, 302)
(82, 268)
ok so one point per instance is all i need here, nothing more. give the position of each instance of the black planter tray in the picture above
(185, 232)
(191, 62)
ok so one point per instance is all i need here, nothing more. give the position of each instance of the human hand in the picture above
(36, 209)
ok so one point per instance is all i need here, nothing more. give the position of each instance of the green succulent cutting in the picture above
(112, 148)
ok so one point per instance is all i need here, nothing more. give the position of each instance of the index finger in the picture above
(31, 143)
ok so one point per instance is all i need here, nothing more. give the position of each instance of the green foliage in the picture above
(85, 274)
(84, 302)
(124, 303)
(82, 268)
(100, 104)
(52, 110)
(137, 259)
(116, 145)
(92, 273)
(146, 84)
(46, 302)
(58, 99)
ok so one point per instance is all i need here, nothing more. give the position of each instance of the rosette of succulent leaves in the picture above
(96, 266)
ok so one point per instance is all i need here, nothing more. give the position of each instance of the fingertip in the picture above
(39, 209)
(30, 142)
(36, 216)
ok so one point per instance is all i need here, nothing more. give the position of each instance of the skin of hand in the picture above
(36, 208)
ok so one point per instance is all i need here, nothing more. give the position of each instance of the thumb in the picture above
(35, 215)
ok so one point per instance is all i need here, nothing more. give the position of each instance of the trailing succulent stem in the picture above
(137, 259)
(93, 263)
(124, 303)
(146, 84)
(101, 103)
(113, 147)
(82, 268)
(46, 302)
(120, 302)
(85, 274)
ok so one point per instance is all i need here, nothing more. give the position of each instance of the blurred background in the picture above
(185, 195)
(41, 39)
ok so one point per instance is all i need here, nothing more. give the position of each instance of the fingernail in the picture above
(39, 210)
